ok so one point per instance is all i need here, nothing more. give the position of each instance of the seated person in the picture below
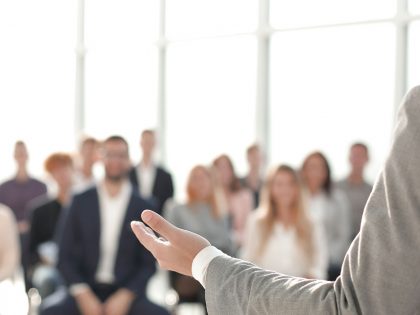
(204, 214)
(9, 244)
(99, 259)
(44, 218)
(13, 298)
(280, 235)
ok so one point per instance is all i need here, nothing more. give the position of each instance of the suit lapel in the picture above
(94, 223)
(125, 228)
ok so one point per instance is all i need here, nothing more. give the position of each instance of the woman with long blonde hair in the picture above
(280, 236)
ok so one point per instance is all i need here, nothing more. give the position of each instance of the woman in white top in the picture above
(13, 299)
(329, 207)
(9, 245)
(280, 236)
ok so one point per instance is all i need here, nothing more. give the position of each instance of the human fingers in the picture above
(160, 225)
(145, 236)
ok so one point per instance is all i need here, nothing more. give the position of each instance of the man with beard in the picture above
(99, 258)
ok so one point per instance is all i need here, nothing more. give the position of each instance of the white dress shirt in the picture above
(146, 176)
(112, 212)
(201, 263)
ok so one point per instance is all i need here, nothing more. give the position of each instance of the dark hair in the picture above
(327, 186)
(360, 144)
(235, 184)
(116, 138)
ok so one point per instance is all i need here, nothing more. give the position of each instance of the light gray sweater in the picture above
(198, 218)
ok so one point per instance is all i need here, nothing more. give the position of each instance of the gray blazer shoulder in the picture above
(380, 272)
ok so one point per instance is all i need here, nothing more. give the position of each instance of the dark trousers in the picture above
(62, 303)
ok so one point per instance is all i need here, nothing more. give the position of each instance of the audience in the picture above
(302, 225)
(153, 182)
(99, 258)
(355, 187)
(239, 200)
(280, 235)
(203, 213)
(44, 219)
(88, 156)
(329, 208)
(253, 180)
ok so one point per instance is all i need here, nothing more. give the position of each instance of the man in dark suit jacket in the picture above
(152, 181)
(99, 259)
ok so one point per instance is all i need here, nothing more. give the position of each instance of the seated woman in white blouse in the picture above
(9, 245)
(13, 299)
(280, 235)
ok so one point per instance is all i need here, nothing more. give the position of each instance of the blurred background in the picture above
(209, 78)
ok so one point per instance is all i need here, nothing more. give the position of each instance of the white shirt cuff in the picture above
(201, 263)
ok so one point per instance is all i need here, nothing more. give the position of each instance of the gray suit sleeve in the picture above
(380, 273)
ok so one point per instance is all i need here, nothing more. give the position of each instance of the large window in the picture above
(121, 68)
(37, 79)
(414, 6)
(331, 87)
(211, 96)
(192, 18)
(210, 76)
(298, 13)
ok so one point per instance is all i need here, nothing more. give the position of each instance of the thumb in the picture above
(158, 224)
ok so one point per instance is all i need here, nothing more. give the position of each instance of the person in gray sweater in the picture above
(380, 272)
(204, 214)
